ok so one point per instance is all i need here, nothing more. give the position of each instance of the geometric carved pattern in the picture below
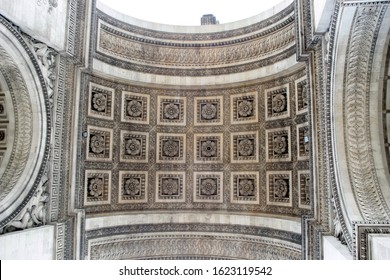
(302, 95)
(97, 188)
(208, 187)
(101, 101)
(133, 187)
(171, 110)
(208, 110)
(134, 146)
(135, 108)
(244, 147)
(171, 148)
(170, 186)
(304, 189)
(303, 141)
(244, 108)
(245, 187)
(279, 188)
(99, 146)
(277, 103)
(278, 144)
(208, 148)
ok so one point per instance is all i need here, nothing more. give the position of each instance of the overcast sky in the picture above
(189, 12)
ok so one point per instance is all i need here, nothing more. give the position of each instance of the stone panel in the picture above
(171, 110)
(134, 146)
(244, 108)
(170, 186)
(245, 187)
(301, 95)
(208, 110)
(277, 103)
(279, 188)
(133, 187)
(99, 146)
(208, 187)
(208, 148)
(244, 147)
(304, 187)
(303, 141)
(101, 101)
(171, 148)
(135, 107)
(278, 144)
(97, 187)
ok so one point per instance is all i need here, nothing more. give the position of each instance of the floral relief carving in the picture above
(244, 147)
(133, 147)
(132, 187)
(278, 144)
(97, 187)
(172, 110)
(171, 148)
(279, 188)
(134, 108)
(101, 101)
(170, 186)
(209, 148)
(97, 144)
(208, 186)
(244, 108)
(209, 111)
(246, 187)
(277, 103)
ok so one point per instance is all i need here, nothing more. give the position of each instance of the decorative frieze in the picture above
(279, 188)
(208, 187)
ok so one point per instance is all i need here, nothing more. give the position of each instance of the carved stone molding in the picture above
(362, 250)
(358, 146)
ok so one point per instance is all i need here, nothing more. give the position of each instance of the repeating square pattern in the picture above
(97, 187)
(170, 186)
(303, 141)
(208, 110)
(135, 108)
(304, 189)
(277, 103)
(171, 148)
(208, 187)
(244, 147)
(244, 108)
(302, 95)
(172, 110)
(101, 101)
(279, 190)
(208, 148)
(278, 145)
(99, 146)
(133, 187)
(245, 187)
(134, 146)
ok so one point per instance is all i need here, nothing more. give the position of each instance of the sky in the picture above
(186, 12)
